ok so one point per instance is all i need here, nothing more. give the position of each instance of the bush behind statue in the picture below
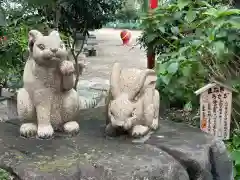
(196, 41)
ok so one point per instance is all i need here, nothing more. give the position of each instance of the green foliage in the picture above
(123, 25)
(13, 51)
(191, 39)
(128, 12)
(195, 42)
(126, 15)
(12, 55)
(68, 15)
(234, 147)
(4, 175)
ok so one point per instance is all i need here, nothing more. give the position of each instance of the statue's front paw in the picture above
(28, 130)
(67, 68)
(71, 127)
(139, 130)
(45, 131)
(154, 125)
(127, 125)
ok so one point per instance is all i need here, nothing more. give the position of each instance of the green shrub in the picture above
(195, 42)
(13, 55)
(4, 175)
(124, 25)
(191, 40)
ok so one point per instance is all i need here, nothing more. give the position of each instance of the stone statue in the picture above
(47, 101)
(133, 106)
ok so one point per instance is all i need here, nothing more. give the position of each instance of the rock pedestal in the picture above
(174, 152)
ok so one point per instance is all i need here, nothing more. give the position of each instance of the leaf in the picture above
(211, 12)
(175, 30)
(177, 15)
(236, 156)
(190, 16)
(234, 172)
(236, 141)
(162, 68)
(162, 29)
(2, 18)
(186, 70)
(151, 37)
(196, 42)
(183, 49)
(188, 106)
(173, 67)
(166, 78)
(182, 3)
(219, 47)
(229, 12)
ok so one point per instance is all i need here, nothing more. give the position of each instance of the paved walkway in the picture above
(109, 50)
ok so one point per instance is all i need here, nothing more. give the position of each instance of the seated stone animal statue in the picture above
(47, 101)
(134, 103)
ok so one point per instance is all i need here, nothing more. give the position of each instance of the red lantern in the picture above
(153, 4)
(125, 36)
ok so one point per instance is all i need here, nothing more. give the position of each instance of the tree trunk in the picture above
(76, 54)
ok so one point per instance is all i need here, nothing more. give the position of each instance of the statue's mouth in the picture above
(119, 123)
(54, 58)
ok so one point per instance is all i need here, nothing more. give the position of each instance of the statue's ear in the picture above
(151, 81)
(54, 33)
(32, 37)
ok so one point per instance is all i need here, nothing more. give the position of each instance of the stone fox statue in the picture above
(134, 103)
(47, 101)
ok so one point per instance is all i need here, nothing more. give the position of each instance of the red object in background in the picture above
(153, 4)
(3, 38)
(125, 36)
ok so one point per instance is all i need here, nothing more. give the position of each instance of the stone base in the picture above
(174, 152)
(8, 106)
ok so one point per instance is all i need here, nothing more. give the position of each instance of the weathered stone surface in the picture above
(93, 92)
(174, 152)
(203, 156)
(8, 109)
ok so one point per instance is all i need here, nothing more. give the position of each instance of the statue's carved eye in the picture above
(134, 112)
(41, 46)
(61, 45)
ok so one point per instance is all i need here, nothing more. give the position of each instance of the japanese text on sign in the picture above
(215, 111)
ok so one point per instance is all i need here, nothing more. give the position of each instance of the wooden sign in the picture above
(215, 110)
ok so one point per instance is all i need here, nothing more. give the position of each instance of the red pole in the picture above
(150, 58)
(150, 50)
(153, 4)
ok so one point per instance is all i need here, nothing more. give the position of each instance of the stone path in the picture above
(109, 50)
